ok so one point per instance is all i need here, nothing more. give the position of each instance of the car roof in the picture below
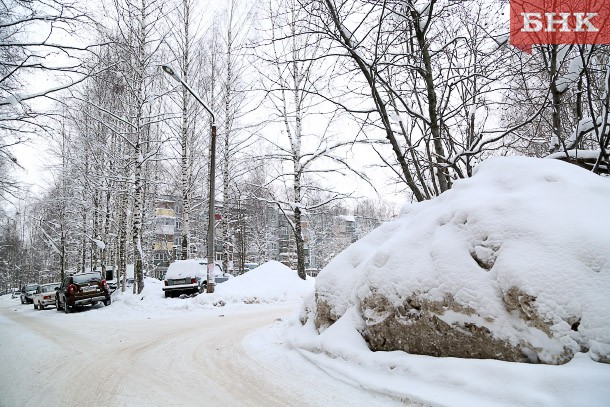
(189, 268)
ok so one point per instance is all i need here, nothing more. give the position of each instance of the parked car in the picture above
(27, 293)
(188, 277)
(45, 295)
(15, 293)
(82, 289)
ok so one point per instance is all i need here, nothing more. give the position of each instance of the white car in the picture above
(15, 293)
(45, 295)
(188, 277)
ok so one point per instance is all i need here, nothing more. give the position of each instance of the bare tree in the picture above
(140, 38)
(424, 73)
(292, 72)
(32, 34)
(234, 138)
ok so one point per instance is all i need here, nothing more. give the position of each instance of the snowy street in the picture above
(244, 345)
(89, 358)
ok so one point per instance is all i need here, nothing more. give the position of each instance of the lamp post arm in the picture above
(171, 73)
(192, 92)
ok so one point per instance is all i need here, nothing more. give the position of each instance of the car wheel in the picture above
(66, 307)
(35, 306)
(167, 294)
(23, 302)
(57, 304)
(107, 302)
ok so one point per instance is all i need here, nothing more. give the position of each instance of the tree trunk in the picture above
(298, 236)
(95, 231)
(184, 162)
(122, 239)
(428, 75)
(227, 248)
(136, 230)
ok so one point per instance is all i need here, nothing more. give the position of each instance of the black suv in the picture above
(82, 289)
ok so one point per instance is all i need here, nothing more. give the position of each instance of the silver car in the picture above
(45, 295)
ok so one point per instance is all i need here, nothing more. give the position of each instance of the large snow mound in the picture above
(513, 263)
(269, 282)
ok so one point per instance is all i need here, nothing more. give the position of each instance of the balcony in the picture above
(165, 230)
(165, 212)
(164, 246)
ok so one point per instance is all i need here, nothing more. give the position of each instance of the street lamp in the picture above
(210, 249)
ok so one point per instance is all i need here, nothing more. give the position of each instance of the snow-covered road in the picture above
(90, 358)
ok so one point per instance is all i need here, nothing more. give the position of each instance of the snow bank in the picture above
(516, 258)
(269, 282)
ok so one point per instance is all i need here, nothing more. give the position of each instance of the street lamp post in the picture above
(210, 249)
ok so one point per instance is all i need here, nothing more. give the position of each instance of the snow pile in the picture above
(511, 264)
(269, 282)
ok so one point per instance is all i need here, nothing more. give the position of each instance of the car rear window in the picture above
(31, 287)
(85, 278)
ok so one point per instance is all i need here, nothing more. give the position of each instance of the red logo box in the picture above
(559, 22)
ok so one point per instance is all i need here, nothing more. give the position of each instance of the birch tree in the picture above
(140, 37)
(184, 51)
(295, 72)
(234, 139)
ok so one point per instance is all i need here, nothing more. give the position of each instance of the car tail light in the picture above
(105, 284)
(193, 281)
(71, 289)
(166, 283)
(47, 297)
